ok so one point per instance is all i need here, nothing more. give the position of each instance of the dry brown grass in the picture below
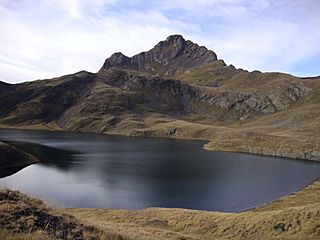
(6, 235)
(22, 217)
(293, 217)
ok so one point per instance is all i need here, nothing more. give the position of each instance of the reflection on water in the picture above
(90, 170)
(49, 156)
(5, 172)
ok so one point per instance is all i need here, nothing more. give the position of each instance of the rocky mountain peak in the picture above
(175, 54)
(173, 41)
(116, 59)
(175, 46)
(175, 37)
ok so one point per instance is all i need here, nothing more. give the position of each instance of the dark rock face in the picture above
(166, 58)
(117, 60)
(5, 87)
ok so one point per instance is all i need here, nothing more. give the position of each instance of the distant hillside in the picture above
(177, 89)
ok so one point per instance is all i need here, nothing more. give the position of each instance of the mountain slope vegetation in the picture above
(177, 89)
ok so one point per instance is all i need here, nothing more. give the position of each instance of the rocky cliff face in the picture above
(182, 98)
(168, 57)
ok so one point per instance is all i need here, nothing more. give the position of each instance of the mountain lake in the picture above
(86, 170)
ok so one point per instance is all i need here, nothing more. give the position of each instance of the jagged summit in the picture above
(116, 60)
(176, 41)
(175, 54)
(175, 37)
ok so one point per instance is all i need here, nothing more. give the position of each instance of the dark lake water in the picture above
(91, 170)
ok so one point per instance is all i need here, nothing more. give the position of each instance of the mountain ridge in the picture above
(167, 57)
(187, 93)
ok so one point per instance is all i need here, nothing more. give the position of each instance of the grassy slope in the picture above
(7, 235)
(292, 217)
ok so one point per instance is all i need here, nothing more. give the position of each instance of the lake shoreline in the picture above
(265, 145)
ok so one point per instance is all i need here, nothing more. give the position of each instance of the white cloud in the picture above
(48, 38)
(276, 36)
(77, 8)
(204, 8)
(268, 46)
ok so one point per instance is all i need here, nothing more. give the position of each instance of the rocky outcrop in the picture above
(297, 91)
(283, 98)
(259, 102)
(117, 60)
(183, 98)
(241, 103)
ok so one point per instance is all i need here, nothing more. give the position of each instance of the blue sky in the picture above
(48, 38)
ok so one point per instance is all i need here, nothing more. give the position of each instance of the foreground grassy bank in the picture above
(22, 217)
(292, 217)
